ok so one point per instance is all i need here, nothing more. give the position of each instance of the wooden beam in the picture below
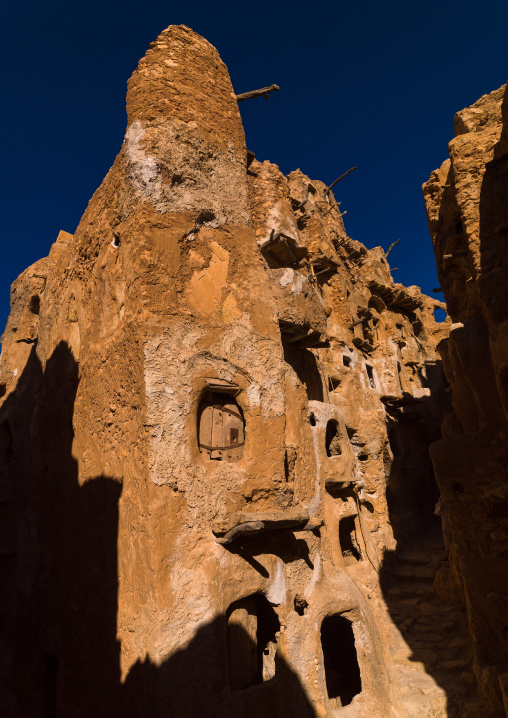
(392, 245)
(263, 92)
(339, 179)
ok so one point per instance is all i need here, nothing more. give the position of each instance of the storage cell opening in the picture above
(221, 427)
(253, 630)
(348, 541)
(35, 304)
(332, 439)
(342, 672)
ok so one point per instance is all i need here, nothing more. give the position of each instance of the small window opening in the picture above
(312, 420)
(290, 457)
(300, 604)
(346, 360)
(35, 304)
(221, 427)
(458, 489)
(334, 383)
(352, 434)
(342, 672)
(253, 630)
(332, 439)
(348, 542)
(116, 241)
(399, 372)
(370, 374)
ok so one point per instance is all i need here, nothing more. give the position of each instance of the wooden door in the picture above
(220, 427)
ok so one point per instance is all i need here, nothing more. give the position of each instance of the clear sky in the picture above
(363, 83)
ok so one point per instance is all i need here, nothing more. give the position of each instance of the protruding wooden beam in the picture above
(392, 245)
(263, 92)
(339, 179)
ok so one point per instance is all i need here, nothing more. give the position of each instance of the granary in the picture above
(214, 427)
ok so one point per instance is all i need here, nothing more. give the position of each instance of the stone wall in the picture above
(214, 422)
(468, 221)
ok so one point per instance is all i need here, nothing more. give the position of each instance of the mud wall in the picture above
(468, 221)
(214, 423)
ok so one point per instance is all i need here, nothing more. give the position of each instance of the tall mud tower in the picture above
(214, 424)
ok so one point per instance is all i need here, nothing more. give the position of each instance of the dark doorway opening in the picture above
(348, 541)
(342, 672)
(332, 439)
(35, 304)
(253, 628)
(305, 365)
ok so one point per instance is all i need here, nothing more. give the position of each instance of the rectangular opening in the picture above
(253, 628)
(346, 360)
(342, 672)
(370, 374)
(348, 541)
(334, 383)
(332, 439)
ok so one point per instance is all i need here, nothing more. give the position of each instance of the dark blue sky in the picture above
(363, 83)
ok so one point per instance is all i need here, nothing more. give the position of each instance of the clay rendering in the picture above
(216, 409)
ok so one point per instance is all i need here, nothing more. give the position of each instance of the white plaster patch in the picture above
(315, 577)
(279, 220)
(144, 169)
(276, 594)
(213, 181)
(293, 278)
(287, 277)
(253, 395)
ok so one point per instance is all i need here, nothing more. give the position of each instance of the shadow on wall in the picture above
(197, 681)
(435, 632)
(60, 655)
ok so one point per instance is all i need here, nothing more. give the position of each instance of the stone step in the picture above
(407, 589)
(404, 570)
(417, 557)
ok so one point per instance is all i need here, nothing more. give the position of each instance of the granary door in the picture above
(220, 427)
